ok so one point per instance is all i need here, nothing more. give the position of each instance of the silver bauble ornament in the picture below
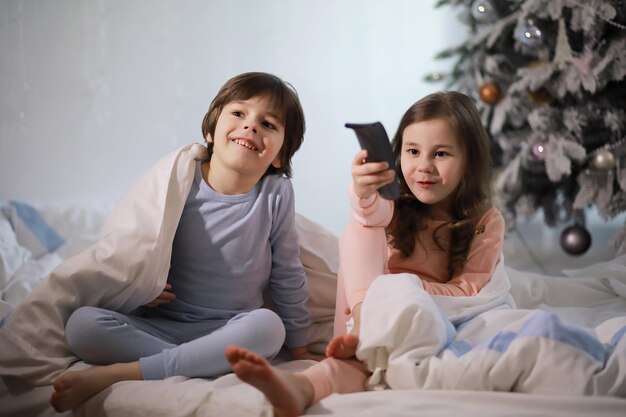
(575, 240)
(603, 160)
(435, 76)
(484, 12)
(530, 34)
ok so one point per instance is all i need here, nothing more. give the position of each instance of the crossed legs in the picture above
(92, 331)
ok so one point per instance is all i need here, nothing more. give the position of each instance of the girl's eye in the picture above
(441, 154)
(237, 113)
(413, 151)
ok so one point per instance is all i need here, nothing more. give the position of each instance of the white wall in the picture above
(94, 92)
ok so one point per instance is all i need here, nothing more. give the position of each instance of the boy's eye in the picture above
(268, 125)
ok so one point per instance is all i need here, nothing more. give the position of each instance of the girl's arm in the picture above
(368, 208)
(482, 258)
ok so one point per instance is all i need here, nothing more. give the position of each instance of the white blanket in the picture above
(125, 269)
(414, 340)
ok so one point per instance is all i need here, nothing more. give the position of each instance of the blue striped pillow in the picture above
(32, 230)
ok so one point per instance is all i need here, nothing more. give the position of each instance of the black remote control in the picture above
(373, 138)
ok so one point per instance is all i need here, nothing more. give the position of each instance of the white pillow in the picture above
(12, 254)
(28, 276)
(319, 253)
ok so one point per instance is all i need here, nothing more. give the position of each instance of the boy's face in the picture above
(248, 137)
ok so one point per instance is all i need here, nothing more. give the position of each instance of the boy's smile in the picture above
(248, 138)
(245, 143)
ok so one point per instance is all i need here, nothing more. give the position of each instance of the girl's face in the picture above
(248, 137)
(432, 163)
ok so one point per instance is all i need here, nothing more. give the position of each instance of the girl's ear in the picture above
(208, 138)
(276, 163)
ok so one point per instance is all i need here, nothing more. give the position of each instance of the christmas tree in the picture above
(549, 80)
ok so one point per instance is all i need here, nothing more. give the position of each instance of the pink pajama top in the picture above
(429, 262)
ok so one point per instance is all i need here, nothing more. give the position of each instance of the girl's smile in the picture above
(425, 184)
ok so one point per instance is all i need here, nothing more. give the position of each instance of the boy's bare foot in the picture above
(342, 347)
(289, 393)
(73, 388)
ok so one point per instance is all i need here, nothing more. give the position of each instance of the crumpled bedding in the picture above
(415, 340)
(125, 269)
(592, 298)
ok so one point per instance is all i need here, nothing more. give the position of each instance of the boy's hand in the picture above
(369, 176)
(163, 298)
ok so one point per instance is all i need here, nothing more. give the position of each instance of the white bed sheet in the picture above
(228, 397)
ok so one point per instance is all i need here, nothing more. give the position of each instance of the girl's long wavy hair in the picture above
(472, 198)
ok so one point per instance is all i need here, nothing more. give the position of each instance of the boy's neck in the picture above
(227, 183)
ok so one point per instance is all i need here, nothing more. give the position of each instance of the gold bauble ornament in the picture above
(603, 160)
(490, 93)
(540, 97)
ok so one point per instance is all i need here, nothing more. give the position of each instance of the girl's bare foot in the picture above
(342, 347)
(289, 393)
(73, 388)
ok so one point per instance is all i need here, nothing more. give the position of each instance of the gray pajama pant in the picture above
(166, 347)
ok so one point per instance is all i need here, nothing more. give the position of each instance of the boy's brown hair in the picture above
(286, 104)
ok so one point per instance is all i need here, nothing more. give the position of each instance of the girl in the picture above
(443, 229)
(236, 236)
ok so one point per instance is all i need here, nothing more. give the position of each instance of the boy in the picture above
(236, 236)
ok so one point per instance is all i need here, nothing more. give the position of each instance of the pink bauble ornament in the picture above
(540, 149)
